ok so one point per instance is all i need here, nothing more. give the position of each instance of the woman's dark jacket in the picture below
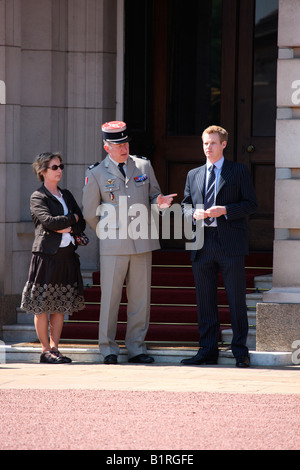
(48, 216)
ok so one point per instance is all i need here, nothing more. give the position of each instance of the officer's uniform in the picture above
(110, 207)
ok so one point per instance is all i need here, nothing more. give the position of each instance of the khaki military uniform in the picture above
(123, 212)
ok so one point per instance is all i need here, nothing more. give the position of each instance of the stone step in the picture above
(251, 318)
(90, 354)
(19, 333)
(263, 282)
(28, 319)
(23, 353)
(24, 318)
(24, 330)
(87, 277)
(251, 340)
(253, 299)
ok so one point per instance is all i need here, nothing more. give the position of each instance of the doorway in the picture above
(190, 65)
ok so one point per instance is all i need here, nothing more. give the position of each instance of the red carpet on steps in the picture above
(173, 302)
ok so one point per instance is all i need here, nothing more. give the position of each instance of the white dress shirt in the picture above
(66, 238)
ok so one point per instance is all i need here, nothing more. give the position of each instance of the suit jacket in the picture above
(48, 216)
(235, 191)
(114, 206)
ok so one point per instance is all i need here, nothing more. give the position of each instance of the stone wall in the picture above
(58, 63)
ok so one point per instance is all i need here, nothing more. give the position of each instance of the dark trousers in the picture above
(209, 260)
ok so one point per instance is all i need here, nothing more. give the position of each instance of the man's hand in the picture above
(65, 230)
(165, 201)
(212, 212)
(216, 211)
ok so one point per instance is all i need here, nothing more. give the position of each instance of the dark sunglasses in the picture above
(55, 167)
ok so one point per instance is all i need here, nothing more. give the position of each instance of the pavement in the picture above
(154, 409)
(269, 373)
(154, 377)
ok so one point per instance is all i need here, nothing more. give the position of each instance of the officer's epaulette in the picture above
(139, 156)
(94, 165)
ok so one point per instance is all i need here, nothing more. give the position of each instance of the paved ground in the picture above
(167, 378)
(155, 407)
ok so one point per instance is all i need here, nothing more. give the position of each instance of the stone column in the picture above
(278, 318)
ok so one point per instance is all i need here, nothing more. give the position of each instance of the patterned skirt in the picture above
(54, 283)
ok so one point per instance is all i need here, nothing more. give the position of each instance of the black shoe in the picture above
(49, 358)
(111, 359)
(142, 359)
(243, 361)
(65, 359)
(200, 359)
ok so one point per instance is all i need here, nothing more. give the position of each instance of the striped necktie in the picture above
(210, 194)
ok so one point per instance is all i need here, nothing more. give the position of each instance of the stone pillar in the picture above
(278, 318)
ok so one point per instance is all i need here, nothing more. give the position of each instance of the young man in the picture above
(120, 190)
(224, 191)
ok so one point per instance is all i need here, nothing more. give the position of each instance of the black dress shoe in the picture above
(111, 359)
(200, 359)
(65, 359)
(142, 359)
(49, 358)
(243, 361)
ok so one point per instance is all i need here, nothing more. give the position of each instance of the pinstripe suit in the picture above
(224, 249)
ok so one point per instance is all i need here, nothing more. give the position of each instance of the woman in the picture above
(54, 285)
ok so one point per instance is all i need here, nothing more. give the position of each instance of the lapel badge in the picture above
(110, 183)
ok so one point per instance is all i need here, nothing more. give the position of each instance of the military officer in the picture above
(120, 196)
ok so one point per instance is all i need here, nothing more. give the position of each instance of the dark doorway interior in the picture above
(192, 64)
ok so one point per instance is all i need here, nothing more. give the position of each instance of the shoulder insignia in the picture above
(139, 156)
(94, 165)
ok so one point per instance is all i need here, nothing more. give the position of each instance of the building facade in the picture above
(169, 69)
